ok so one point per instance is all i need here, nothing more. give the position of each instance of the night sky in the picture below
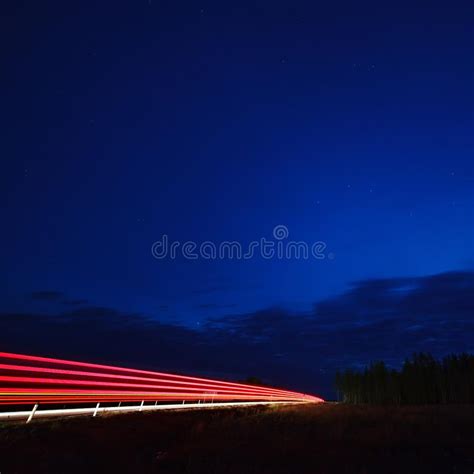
(348, 123)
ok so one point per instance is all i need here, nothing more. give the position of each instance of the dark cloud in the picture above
(75, 302)
(56, 296)
(46, 295)
(215, 306)
(207, 306)
(375, 319)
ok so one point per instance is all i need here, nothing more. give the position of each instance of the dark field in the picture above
(304, 439)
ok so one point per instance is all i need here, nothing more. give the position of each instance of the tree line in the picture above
(421, 380)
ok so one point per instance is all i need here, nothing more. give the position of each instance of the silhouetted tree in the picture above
(421, 380)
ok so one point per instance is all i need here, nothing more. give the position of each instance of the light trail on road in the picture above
(27, 379)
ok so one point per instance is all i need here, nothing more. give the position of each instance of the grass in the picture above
(319, 439)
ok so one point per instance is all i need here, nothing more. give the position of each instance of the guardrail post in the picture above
(120, 404)
(141, 406)
(183, 402)
(156, 403)
(96, 409)
(32, 414)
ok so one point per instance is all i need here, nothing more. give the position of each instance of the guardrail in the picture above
(38, 381)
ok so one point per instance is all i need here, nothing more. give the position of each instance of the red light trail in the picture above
(26, 379)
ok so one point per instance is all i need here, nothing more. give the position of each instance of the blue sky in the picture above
(216, 121)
